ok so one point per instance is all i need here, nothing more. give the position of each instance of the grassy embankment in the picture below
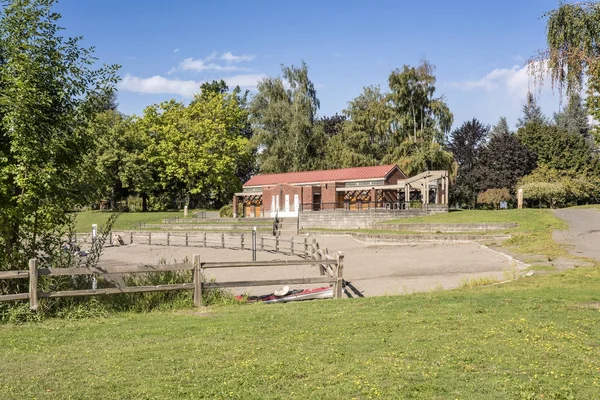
(534, 338)
(126, 221)
(533, 235)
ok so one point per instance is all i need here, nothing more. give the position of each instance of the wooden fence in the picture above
(331, 273)
(302, 246)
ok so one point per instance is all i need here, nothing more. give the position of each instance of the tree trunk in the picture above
(144, 202)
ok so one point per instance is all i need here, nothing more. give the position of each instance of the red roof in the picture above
(330, 175)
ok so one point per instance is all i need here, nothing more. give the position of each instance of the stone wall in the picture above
(341, 219)
(450, 227)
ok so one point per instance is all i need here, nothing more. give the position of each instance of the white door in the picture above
(277, 205)
(287, 203)
(296, 203)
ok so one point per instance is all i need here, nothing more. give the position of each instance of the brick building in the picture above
(360, 188)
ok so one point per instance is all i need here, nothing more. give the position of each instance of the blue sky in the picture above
(167, 48)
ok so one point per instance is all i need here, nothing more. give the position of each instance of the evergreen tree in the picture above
(574, 118)
(532, 113)
(501, 128)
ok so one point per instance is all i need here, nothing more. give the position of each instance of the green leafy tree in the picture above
(197, 150)
(45, 80)
(494, 197)
(502, 162)
(558, 148)
(573, 52)
(466, 144)
(283, 120)
(418, 121)
(363, 138)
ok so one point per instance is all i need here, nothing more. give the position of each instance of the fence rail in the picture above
(290, 245)
(333, 266)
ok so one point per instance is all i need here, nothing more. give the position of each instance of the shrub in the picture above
(553, 188)
(226, 211)
(494, 197)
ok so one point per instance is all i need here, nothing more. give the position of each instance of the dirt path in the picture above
(584, 231)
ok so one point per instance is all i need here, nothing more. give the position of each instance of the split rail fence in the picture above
(331, 271)
(302, 246)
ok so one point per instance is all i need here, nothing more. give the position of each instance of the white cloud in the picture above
(176, 51)
(201, 65)
(158, 84)
(247, 81)
(187, 88)
(500, 92)
(229, 57)
(516, 81)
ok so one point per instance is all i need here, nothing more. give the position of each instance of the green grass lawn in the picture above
(536, 338)
(85, 219)
(532, 236)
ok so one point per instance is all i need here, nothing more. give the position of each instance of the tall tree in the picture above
(283, 120)
(418, 120)
(465, 144)
(501, 128)
(573, 52)
(44, 82)
(532, 113)
(557, 148)
(574, 118)
(502, 162)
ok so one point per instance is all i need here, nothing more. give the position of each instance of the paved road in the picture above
(584, 231)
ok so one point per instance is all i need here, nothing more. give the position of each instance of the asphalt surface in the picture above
(583, 235)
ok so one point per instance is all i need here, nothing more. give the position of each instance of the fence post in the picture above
(254, 244)
(197, 281)
(130, 237)
(186, 240)
(292, 245)
(314, 246)
(222, 240)
(242, 241)
(277, 244)
(262, 243)
(149, 238)
(338, 288)
(168, 238)
(204, 239)
(33, 283)
(305, 246)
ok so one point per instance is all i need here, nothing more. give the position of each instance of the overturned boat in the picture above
(285, 295)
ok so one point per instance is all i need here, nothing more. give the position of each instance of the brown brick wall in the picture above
(269, 192)
(393, 179)
(328, 193)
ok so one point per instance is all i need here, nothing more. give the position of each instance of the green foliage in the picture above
(494, 197)
(502, 162)
(574, 118)
(226, 211)
(559, 149)
(573, 52)
(405, 125)
(466, 144)
(532, 113)
(283, 120)
(501, 128)
(548, 187)
(45, 82)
